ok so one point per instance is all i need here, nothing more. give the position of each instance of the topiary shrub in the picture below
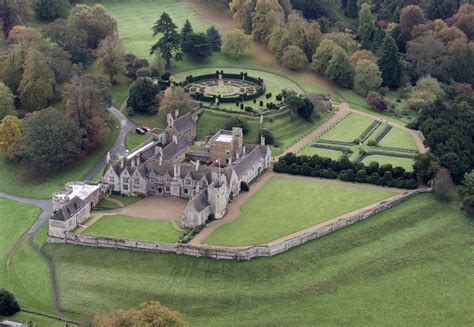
(371, 143)
(8, 304)
(356, 141)
(244, 187)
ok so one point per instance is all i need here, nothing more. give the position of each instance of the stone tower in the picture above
(217, 195)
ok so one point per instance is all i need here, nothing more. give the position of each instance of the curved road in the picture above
(46, 206)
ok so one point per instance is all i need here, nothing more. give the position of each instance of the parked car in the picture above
(146, 129)
(140, 131)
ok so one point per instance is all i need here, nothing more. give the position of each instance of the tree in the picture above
(85, 103)
(268, 135)
(367, 77)
(8, 305)
(176, 98)
(468, 204)
(427, 55)
(235, 121)
(351, 8)
(366, 25)
(10, 131)
(235, 43)
(361, 55)
(111, 58)
(246, 15)
(37, 83)
(143, 96)
(442, 9)
(7, 100)
(186, 30)
(8, 16)
(268, 14)
(323, 55)
(464, 20)
(426, 165)
(51, 9)
(426, 92)
(49, 142)
(410, 16)
(339, 69)
(148, 314)
(390, 63)
(443, 185)
(215, 38)
(197, 46)
(468, 183)
(294, 58)
(94, 21)
(302, 106)
(169, 43)
(69, 38)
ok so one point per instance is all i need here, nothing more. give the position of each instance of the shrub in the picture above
(269, 138)
(237, 122)
(356, 141)
(443, 185)
(8, 305)
(371, 143)
(244, 187)
(211, 217)
(468, 205)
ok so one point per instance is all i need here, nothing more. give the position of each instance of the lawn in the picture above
(22, 271)
(135, 19)
(324, 153)
(410, 265)
(398, 138)
(134, 228)
(13, 181)
(394, 161)
(348, 129)
(133, 140)
(284, 206)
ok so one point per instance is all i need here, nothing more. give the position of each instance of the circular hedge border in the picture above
(199, 96)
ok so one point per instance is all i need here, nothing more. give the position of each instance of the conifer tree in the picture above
(390, 63)
(169, 43)
(351, 8)
(186, 30)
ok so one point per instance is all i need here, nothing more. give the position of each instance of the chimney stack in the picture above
(122, 163)
(244, 148)
(176, 113)
(160, 160)
(197, 165)
(108, 156)
(262, 140)
(175, 139)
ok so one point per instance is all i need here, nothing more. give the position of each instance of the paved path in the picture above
(126, 126)
(233, 209)
(341, 113)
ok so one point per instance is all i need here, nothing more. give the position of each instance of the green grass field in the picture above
(348, 129)
(134, 228)
(135, 19)
(324, 153)
(12, 178)
(398, 138)
(133, 140)
(394, 161)
(411, 265)
(22, 271)
(284, 206)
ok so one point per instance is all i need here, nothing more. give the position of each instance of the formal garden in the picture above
(362, 139)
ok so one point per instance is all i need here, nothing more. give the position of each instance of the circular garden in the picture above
(221, 87)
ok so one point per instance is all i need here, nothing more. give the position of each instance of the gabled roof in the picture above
(69, 209)
(254, 155)
(198, 203)
(174, 149)
(184, 123)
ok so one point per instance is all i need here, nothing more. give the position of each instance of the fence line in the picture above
(235, 253)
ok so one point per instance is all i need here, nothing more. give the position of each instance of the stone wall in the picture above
(235, 253)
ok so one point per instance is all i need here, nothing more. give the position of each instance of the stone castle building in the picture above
(170, 164)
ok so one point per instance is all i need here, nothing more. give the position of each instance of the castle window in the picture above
(112, 179)
(125, 187)
(185, 191)
(125, 179)
(136, 181)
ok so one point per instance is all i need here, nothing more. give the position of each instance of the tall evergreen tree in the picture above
(351, 8)
(366, 26)
(215, 38)
(186, 30)
(169, 43)
(197, 46)
(390, 63)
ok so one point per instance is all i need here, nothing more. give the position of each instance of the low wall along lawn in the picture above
(235, 253)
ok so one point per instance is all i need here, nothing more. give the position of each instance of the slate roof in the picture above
(184, 123)
(172, 150)
(69, 209)
(255, 153)
(198, 203)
